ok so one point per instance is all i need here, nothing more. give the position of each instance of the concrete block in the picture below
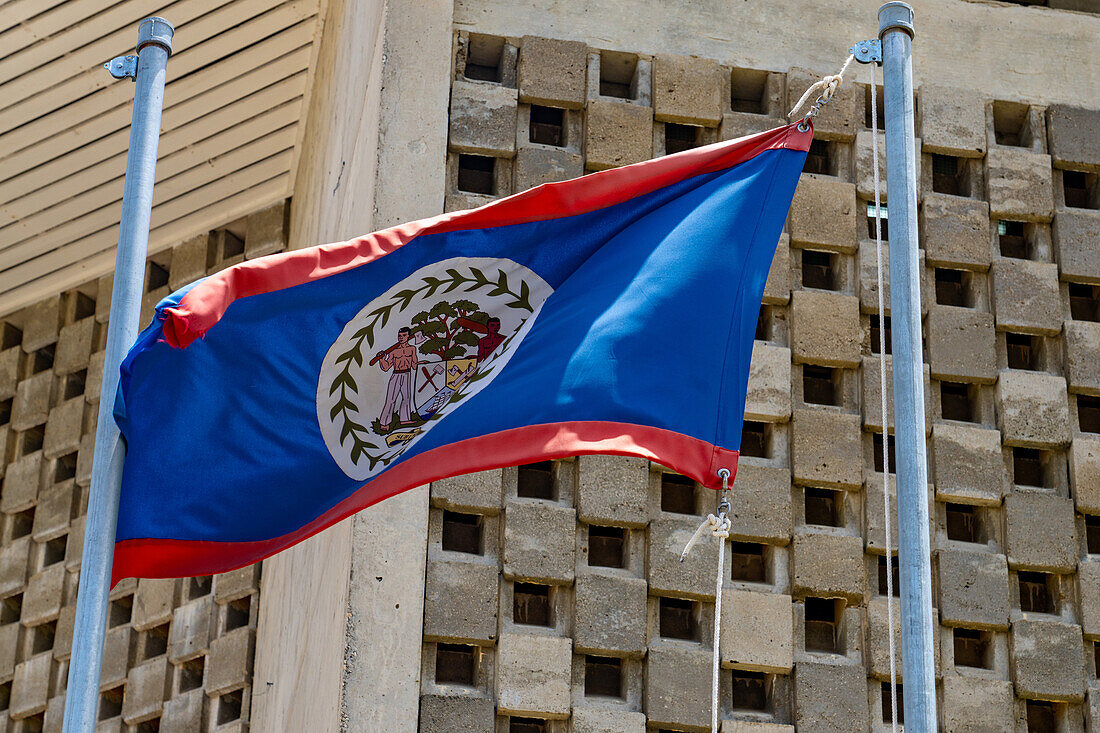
(955, 231)
(146, 688)
(32, 401)
(761, 504)
(9, 650)
(55, 711)
(743, 124)
(237, 583)
(864, 160)
(868, 278)
(617, 133)
(951, 121)
(757, 631)
(878, 641)
(116, 657)
(483, 119)
(265, 231)
(1074, 234)
(183, 713)
(841, 118)
(537, 165)
(678, 685)
(188, 261)
(42, 598)
(53, 513)
(967, 464)
(1026, 296)
(826, 448)
(63, 428)
(229, 664)
(871, 372)
(688, 90)
(592, 720)
(1088, 586)
(1073, 142)
(769, 392)
(874, 515)
(668, 534)
(828, 565)
(777, 290)
(610, 615)
(1039, 531)
(461, 600)
(74, 547)
(445, 713)
(977, 705)
(1082, 346)
(1019, 184)
(824, 214)
(74, 347)
(539, 541)
(22, 481)
(41, 324)
(533, 675)
(9, 371)
(752, 726)
(1049, 663)
(613, 490)
(63, 634)
(470, 492)
(153, 603)
(1032, 409)
(13, 566)
(191, 630)
(830, 698)
(552, 72)
(1084, 473)
(825, 328)
(95, 377)
(973, 589)
(30, 687)
(961, 344)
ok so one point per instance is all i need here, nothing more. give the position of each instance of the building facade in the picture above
(550, 597)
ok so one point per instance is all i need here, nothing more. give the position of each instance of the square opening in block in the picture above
(679, 138)
(120, 611)
(887, 699)
(189, 676)
(42, 359)
(83, 306)
(972, 649)
(476, 174)
(818, 270)
(1010, 123)
(1029, 467)
(749, 562)
(764, 324)
(953, 287)
(65, 467)
(819, 159)
(462, 532)
(879, 108)
(617, 72)
(1084, 302)
(878, 332)
(238, 612)
(53, 551)
(42, 637)
(531, 604)
(31, 440)
(756, 439)
(750, 691)
(958, 401)
(483, 57)
(22, 523)
(155, 642)
(229, 706)
(819, 385)
(1013, 240)
(110, 703)
(156, 276)
(964, 523)
(547, 125)
(677, 618)
(603, 676)
(1080, 189)
(949, 175)
(1023, 351)
(606, 546)
(823, 618)
(5, 411)
(1092, 534)
(10, 336)
(824, 507)
(199, 586)
(1096, 660)
(876, 447)
(455, 664)
(526, 725)
(893, 587)
(1038, 592)
(11, 609)
(1088, 413)
(748, 91)
(677, 494)
(884, 215)
(536, 480)
(1041, 716)
(74, 384)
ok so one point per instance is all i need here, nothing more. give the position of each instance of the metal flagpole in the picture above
(148, 70)
(917, 655)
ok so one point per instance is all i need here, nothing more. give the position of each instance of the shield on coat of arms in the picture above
(458, 370)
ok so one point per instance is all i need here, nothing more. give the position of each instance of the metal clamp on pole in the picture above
(918, 653)
(154, 46)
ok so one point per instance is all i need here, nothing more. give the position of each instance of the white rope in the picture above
(885, 426)
(828, 85)
(719, 527)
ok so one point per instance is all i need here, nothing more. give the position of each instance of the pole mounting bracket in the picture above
(121, 67)
(868, 52)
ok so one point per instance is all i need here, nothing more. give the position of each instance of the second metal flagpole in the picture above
(918, 654)
(148, 70)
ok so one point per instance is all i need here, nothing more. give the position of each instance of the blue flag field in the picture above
(612, 313)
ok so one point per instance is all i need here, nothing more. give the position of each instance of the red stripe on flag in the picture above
(167, 558)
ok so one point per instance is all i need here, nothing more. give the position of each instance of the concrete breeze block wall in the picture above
(555, 598)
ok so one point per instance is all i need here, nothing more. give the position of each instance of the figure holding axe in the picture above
(403, 360)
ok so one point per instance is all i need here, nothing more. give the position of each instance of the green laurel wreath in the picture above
(359, 434)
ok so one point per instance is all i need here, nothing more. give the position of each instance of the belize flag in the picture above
(612, 313)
